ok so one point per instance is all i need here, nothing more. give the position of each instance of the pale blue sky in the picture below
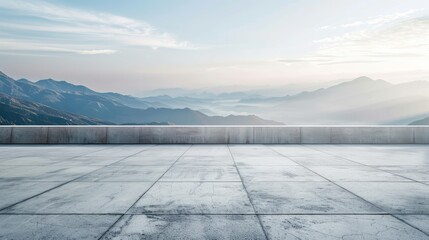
(132, 46)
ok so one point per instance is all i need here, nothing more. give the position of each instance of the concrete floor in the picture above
(214, 192)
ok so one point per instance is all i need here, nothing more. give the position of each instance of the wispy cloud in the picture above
(58, 27)
(405, 40)
(379, 20)
(99, 51)
(30, 47)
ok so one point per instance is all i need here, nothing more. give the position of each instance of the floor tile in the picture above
(321, 227)
(299, 151)
(393, 197)
(389, 157)
(263, 161)
(419, 221)
(85, 197)
(149, 161)
(47, 227)
(304, 197)
(208, 150)
(46, 173)
(277, 173)
(187, 227)
(417, 173)
(201, 173)
(355, 173)
(164, 151)
(33, 161)
(15, 191)
(322, 161)
(195, 198)
(90, 161)
(116, 151)
(205, 161)
(125, 174)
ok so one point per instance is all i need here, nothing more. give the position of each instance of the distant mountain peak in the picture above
(56, 81)
(50, 80)
(63, 86)
(362, 81)
(24, 80)
(363, 78)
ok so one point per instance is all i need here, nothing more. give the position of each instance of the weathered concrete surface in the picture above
(235, 191)
(54, 227)
(268, 135)
(215, 134)
(196, 227)
(316, 134)
(29, 135)
(338, 227)
(78, 135)
(85, 197)
(5, 134)
(123, 135)
(421, 135)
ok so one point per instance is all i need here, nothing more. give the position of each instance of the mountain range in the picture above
(358, 101)
(73, 104)
(424, 121)
(22, 112)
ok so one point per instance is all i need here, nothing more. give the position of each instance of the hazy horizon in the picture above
(233, 88)
(266, 90)
(135, 46)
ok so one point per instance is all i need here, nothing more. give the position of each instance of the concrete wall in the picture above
(214, 134)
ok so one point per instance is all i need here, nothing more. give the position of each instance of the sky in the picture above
(132, 46)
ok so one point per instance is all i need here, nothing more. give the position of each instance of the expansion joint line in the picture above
(358, 163)
(247, 193)
(74, 179)
(147, 190)
(345, 189)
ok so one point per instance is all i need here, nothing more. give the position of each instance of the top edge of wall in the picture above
(210, 126)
